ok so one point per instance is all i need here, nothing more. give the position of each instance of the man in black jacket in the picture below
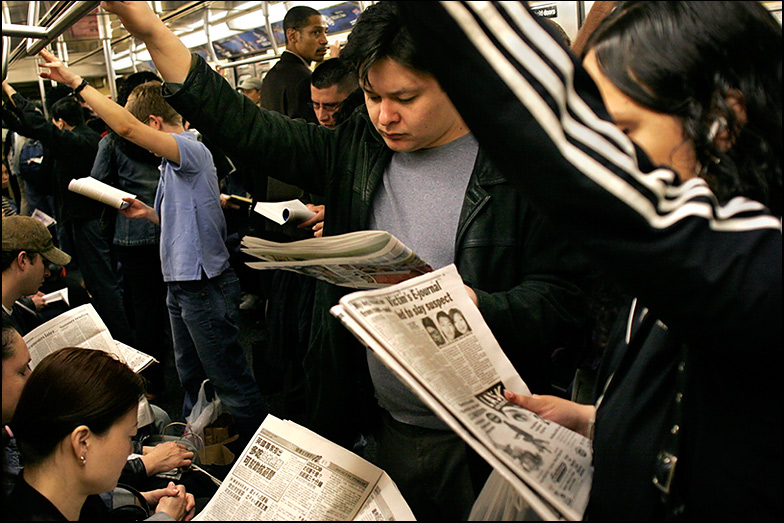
(286, 87)
(73, 146)
(407, 164)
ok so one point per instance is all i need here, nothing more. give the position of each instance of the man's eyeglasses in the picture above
(329, 107)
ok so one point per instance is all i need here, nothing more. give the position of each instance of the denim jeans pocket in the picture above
(193, 288)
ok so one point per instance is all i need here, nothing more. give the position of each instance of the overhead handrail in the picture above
(74, 13)
(173, 15)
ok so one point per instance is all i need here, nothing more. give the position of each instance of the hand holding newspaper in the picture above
(288, 473)
(360, 260)
(457, 368)
(97, 190)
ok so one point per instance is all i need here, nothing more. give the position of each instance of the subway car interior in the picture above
(242, 41)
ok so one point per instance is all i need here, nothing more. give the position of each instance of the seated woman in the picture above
(73, 424)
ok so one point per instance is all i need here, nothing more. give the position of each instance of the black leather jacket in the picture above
(523, 273)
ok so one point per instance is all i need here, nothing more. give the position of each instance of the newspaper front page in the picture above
(359, 260)
(289, 473)
(429, 332)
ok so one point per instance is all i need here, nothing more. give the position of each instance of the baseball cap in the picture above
(23, 233)
(250, 82)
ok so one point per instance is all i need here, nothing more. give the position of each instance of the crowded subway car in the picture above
(391, 260)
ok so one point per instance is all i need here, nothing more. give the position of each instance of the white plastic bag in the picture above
(204, 412)
(499, 501)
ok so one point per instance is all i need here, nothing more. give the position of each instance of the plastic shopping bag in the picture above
(204, 411)
(499, 501)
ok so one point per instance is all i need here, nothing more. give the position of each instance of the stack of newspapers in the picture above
(360, 260)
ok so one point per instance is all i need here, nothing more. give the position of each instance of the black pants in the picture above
(142, 270)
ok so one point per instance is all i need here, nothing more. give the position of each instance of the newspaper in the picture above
(293, 211)
(429, 332)
(61, 294)
(44, 218)
(289, 473)
(97, 190)
(135, 359)
(83, 327)
(359, 260)
(77, 327)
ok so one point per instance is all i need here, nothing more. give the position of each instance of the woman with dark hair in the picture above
(697, 87)
(459, 321)
(73, 424)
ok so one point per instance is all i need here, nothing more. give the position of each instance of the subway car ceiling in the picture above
(243, 38)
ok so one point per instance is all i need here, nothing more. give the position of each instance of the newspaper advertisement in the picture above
(289, 473)
(429, 332)
(362, 260)
(97, 190)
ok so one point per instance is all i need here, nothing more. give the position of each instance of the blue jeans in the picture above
(203, 315)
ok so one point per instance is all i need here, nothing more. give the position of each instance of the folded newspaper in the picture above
(83, 327)
(293, 211)
(97, 190)
(360, 260)
(429, 332)
(288, 473)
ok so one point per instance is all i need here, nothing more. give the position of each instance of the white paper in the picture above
(97, 190)
(52, 297)
(283, 212)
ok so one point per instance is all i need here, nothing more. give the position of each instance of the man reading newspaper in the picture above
(407, 164)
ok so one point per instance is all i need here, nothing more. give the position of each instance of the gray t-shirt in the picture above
(419, 202)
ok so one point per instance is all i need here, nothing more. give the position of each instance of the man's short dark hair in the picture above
(69, 110)
(380, 33)
(334, 71)
(297, 18)
(10, 256)
(131, 82)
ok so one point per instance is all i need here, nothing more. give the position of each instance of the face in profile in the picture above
(461, 325)
(106, 456)
(660, 135)
(16, 370)
(409, 109)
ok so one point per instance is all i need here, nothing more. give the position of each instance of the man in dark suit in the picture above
(286, 87)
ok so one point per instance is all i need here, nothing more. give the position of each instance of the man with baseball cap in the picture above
(27, 249)
(251, 87)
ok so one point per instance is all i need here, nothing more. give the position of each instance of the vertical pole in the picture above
(105, 33)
